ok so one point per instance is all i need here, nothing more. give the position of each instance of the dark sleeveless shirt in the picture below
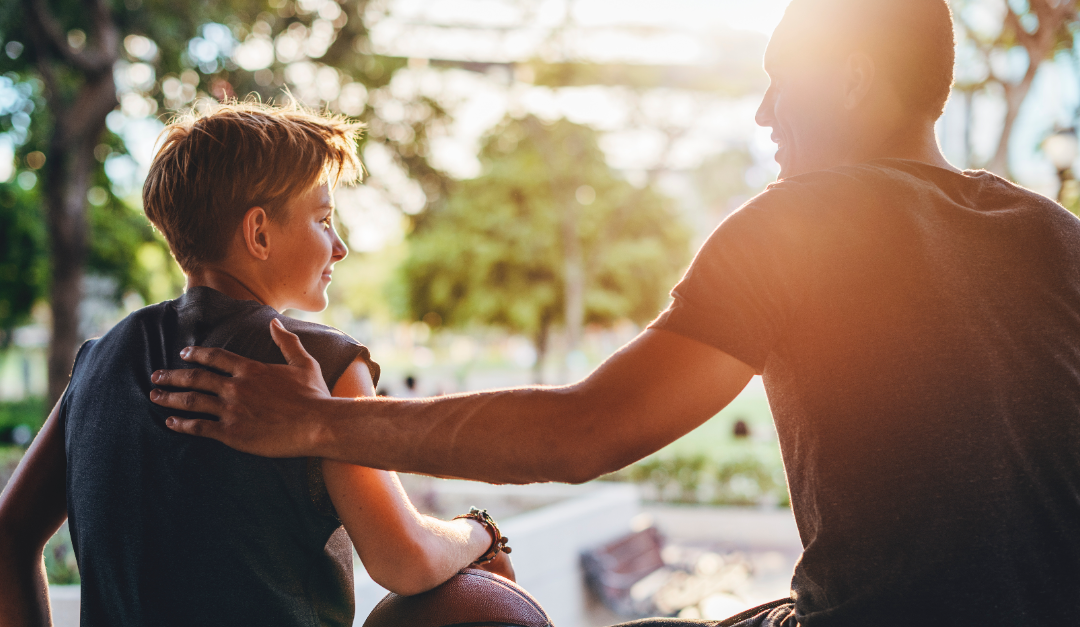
(172, 529)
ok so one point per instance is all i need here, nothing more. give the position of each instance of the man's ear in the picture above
(859, 73)
(256, 235)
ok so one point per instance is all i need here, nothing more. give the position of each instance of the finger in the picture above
(188, 401)
(192, 379)
(216, 358)
(291, 347)
(195, 426)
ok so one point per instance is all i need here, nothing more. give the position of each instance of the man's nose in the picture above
(764, 115)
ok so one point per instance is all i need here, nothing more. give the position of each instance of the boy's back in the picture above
(171, 529)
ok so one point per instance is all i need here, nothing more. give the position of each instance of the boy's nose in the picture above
(340, 250)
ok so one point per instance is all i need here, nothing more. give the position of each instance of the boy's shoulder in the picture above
(205, 317)
(243, 326)
(320, 338)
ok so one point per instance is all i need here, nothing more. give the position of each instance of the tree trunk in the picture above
(540, 342)
(78, 117)
(574, 272)
(67, 178)
(66, 182)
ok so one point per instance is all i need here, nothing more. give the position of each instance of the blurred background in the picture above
(540, 173)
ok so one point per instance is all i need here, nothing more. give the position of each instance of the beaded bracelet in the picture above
(498, 540)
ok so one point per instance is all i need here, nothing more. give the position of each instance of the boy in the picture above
(174, 530)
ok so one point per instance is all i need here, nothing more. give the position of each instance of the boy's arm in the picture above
(32, 508)
(403, 550)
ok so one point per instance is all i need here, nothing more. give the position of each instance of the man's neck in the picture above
(911, 142)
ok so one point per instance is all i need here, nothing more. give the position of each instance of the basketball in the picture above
(471, 598)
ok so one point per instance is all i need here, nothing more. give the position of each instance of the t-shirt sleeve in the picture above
(744, 284)
(334, 350)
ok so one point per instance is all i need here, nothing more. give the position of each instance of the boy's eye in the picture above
(328, 221)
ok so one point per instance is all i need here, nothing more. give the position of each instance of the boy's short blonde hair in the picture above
(215, 165)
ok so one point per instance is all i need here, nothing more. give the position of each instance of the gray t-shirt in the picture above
(172, 529)
(918, 331)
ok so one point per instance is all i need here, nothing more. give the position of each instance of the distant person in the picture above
(174, 530)
(410, 388)
(741, 430)
(917, 328)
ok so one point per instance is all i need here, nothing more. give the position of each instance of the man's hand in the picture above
(263, 409)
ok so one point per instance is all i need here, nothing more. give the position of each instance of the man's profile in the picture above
(917, 328)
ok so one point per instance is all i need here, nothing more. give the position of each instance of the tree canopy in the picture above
(502, 250)
(85, 77)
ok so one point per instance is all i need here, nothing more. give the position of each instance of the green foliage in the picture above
(495, 254)
(319, 51)
(170, 55)
(710, 465)
(117, 232)
(30, 412)
(23, 264)
(747, 479)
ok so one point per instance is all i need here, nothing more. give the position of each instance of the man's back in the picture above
(919, 335)
(176, 530)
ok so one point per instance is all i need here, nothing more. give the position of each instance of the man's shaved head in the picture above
(911, 41)
(854, 80)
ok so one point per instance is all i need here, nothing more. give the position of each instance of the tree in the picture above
(168, 55)
(1036, 29)
(548, 233)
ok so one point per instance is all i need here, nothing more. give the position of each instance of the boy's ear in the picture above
(256, 235)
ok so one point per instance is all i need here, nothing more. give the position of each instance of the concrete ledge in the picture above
(65, 605)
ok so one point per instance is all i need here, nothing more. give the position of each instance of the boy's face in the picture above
(305, 246)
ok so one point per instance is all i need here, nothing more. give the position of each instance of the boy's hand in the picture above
(263, 409)
(501, 565)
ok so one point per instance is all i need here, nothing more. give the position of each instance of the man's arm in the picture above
(652, 391)
(32, 508)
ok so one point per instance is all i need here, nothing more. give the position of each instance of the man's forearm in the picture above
(651, 392)
(477, 436)
(645, 396)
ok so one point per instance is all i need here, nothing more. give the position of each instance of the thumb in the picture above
(291, 347)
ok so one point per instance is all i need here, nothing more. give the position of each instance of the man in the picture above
(917, 328)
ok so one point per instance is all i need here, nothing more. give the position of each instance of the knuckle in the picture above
(229, 387)
(187, 400)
